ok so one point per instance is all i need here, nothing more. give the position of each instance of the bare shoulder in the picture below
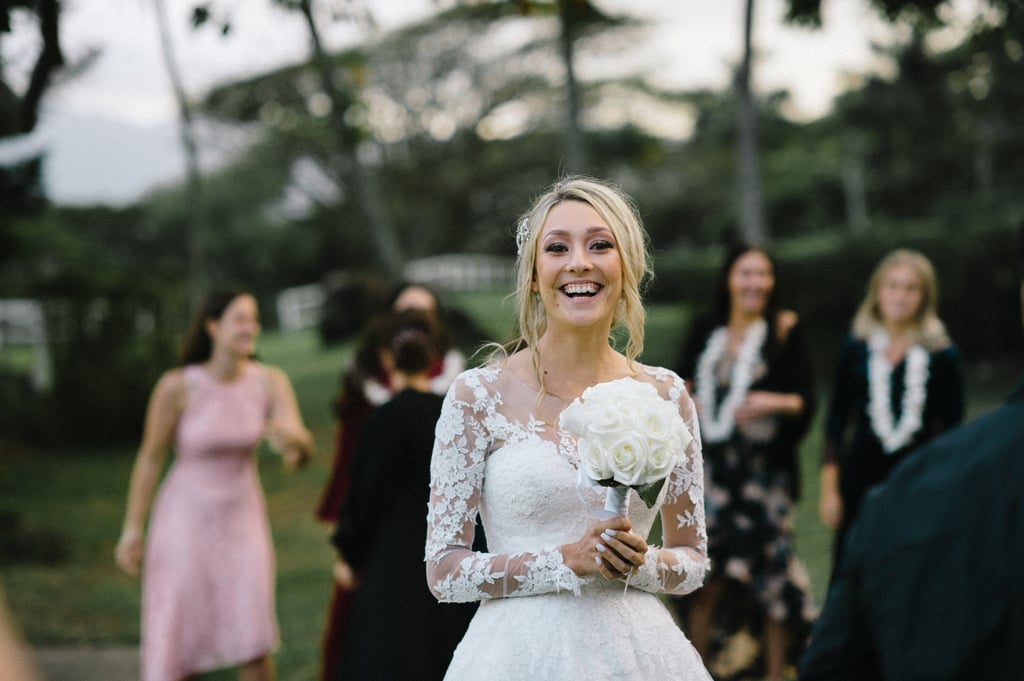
(171, 391)
(519, 364)
(276, 379)
(171, 384)
(785, 321)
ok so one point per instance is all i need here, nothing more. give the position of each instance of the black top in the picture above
(390, 476)
(789, 370)
(397, 630)
(862, 460)
(930, 583)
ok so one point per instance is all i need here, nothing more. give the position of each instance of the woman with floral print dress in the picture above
(754, 388)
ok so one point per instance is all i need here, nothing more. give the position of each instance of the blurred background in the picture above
(317, 151)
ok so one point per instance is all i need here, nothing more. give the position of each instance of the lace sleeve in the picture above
(456, 573)
(680, 565)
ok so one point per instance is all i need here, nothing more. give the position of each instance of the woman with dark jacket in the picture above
(898, 384)
(397, 631)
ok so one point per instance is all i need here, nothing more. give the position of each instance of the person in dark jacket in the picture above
(396, 631)
(929, 585)
(898, 383)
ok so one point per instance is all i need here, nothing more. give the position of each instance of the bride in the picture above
(565, 591)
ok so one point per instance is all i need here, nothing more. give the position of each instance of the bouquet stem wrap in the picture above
(616, 500)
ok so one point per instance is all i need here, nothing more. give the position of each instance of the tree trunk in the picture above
(751, 210)
(575, 147)
(854, 185)
(362, 187)
(50, 58)
(196, 229)
(984, 172)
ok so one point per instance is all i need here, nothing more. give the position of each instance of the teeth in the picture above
(580, 289)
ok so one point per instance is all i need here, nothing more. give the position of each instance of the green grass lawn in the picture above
(73, 500)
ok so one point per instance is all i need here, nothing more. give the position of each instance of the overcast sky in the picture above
(110, 132)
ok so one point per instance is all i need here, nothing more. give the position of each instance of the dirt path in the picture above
(88, 664)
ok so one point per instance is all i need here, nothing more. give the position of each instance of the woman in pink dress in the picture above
(208, 566)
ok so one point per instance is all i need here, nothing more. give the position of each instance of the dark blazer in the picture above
(397, 630)
(930, 585)
(862, 461)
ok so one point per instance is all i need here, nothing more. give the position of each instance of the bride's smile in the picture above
(579, 267)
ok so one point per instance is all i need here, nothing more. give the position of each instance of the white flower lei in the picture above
(718, 429)
(892, 435)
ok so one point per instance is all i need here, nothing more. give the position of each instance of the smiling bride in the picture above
(566, 592)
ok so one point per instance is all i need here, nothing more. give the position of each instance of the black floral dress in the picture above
(751, 486)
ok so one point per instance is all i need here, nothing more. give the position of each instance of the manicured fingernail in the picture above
(600, 547)
(597, 560)
(610, 531)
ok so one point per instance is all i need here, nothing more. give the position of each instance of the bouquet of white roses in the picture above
(629, 438)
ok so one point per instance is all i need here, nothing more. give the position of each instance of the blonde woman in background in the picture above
(898, 383)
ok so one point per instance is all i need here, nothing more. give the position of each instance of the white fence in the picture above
(301, 307)
(22, 324)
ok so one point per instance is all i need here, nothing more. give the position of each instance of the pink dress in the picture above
(208, 577)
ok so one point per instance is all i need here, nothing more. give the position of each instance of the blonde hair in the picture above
(620, 214)
(928, 329)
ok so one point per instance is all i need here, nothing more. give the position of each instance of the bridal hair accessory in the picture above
(894, 434)
(522, 234)
(718, 427)
(409, 335)
(628, 437)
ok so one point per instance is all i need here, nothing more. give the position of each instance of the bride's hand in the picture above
(608, 548)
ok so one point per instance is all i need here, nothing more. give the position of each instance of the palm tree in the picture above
(198, 275)
(751, 215)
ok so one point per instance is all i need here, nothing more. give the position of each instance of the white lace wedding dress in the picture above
(497, 453)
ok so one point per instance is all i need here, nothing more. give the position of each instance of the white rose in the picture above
(660, 462)
(594, 460)
(657, 423)
(628, 458)
(626, 432)
(604, 421)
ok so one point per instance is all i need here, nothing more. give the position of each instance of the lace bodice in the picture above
(499, 452)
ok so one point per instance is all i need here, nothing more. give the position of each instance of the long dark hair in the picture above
(198, 345)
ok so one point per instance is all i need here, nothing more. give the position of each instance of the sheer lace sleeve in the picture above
(680, 565)
(466, 431)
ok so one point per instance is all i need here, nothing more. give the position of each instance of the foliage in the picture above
(462, 131)
(109, 287)
(457, 121)
(920, 12)
(825, 279)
